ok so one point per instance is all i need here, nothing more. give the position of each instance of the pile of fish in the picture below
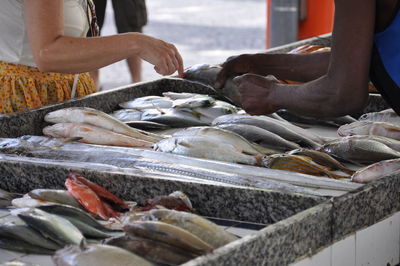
(173, 110)
(55, 222)
(92, 126)
(373, 139)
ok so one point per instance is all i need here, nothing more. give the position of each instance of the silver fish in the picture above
(127, 115)
(147, 102)
(388, 116)
(94, 135)
(180, 95)
(370, 128)
(146, 125)
(391, 143)
(195, 101)
(54, 227)
(54, 195)
(333, 121)
(206, 230)
(175, 117)
(375, 171)
(155, 251)
(360, 150)
(30, 144)
(99, 119)
(207, 148)
(226, 136)
(169, 234)
(99, 255)
(261, 136)
(23, 247)
(207, 74)
(20, 231)
(284, 130)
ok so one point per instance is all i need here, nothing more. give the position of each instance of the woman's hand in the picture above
(164, 56)
(256, 93)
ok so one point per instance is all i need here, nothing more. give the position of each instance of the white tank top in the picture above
(14, 44)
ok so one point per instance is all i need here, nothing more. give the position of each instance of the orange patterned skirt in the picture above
(23, 88)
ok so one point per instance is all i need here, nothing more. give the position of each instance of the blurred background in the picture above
(206, 31)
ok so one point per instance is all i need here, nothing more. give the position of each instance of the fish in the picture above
(226, 136)
(370, 128)
(175, 117)
(76, 213)
(300, 164)
(100, 191)
(7, 197)
(54, 195)
(23, 247)
(176, 201)
(204, 229)
(180, 95)
(147, 102)
(207, 148)
(214, 111)
(112, 158)
(207, 74)
(261, 137)
(387, 116)
(334, 121)
(391, 143)
(100, 119)
(193, 102)
(97, 254)
(52, 226)
(363, 151)
(28, 202)
(323, 159)
(283, 130)
(375, 171)
(169, 234)
(87, 198)
(22, 232)
(146, 125)
(93, 135)
(154, 251)
(127, 115)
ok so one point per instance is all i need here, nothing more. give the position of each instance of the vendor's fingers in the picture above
(180, 63)
(222, 77)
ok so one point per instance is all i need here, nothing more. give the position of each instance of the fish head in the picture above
(58, 130)
(57, 116)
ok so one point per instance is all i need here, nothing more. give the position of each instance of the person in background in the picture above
(130, 16)
(45, 55)
(365, 46)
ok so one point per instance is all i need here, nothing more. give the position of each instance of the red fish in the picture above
(86, 197)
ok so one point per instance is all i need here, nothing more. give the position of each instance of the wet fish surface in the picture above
(54, 195)
(370, 128)
(93, 134)
(147, 102)
(99, 119)
(376, 171)
(99, 255)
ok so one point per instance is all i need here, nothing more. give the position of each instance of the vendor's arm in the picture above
(343, 90)
(298, 67)
(55, 52)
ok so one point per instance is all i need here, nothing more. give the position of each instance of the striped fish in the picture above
(300, 164)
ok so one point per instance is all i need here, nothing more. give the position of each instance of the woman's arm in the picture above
(55, 52)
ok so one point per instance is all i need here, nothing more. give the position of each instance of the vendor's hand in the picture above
(233, 65)
(164, 56)
(256, 93)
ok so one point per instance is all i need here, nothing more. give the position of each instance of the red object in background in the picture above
(319, 18)
(316, 18)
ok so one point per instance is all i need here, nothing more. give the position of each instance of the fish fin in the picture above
(66, 141)
(336, 176)
(196, 114)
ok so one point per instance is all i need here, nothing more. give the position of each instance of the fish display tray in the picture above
(298, 225)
